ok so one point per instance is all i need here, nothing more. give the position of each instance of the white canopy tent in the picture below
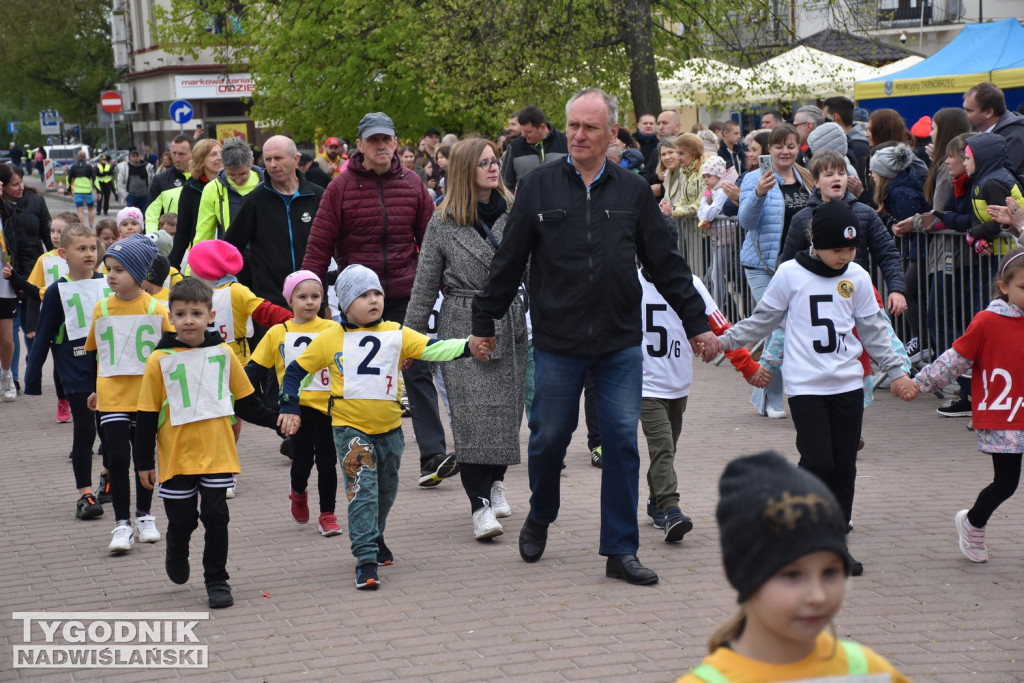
(702, 81)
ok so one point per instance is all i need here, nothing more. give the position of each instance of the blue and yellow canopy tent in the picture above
(981, 52)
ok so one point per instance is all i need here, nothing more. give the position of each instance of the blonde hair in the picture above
(167, 219)
(459, 203)
(72, 231)
(728, 631)
(688, 142)
(199, 154)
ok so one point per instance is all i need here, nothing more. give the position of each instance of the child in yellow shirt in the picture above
(236, 307)
(783, 540)
(126, 327)
(314, 441)
(191, 387)
(364, 355)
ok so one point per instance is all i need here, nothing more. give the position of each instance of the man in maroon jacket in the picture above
(374, 213)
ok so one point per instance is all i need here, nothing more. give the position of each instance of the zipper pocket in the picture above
(552, 215)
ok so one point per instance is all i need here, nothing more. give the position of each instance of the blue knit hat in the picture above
(135, 253)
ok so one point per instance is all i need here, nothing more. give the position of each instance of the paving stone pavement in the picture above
(454, 609)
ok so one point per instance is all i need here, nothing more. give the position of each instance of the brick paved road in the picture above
(453, 609)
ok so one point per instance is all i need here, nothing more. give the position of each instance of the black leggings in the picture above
(827, 433)
(1004, 483)
(209, 505)
(477, 481)
(82, 439)
(119, 432)
(314, 443)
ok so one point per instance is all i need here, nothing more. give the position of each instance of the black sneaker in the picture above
(656, 516)
(856, 568)
(366, 577)
(103, 492)
(677, 525)
(384, 555)
(596, 457)
(177, 567)
(959, 407)
(87, 507)
(913, 345)
(286, 447)
(437, 468)
(218, 595)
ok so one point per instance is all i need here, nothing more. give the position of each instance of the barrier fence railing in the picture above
(947, 282)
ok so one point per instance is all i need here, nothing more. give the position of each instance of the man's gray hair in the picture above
(236, 153)
(811, 112)
(610, 102)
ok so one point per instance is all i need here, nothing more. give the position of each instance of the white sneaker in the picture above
(123, 538)
(146, 526)
(7, 391)
(230, 493)
(972, 541)
(484, 524)
(774, 414)
(498, 501)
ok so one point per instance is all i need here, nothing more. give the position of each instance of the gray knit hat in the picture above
(353, 282)
(135, 253)
(828, 136)
(889, 162)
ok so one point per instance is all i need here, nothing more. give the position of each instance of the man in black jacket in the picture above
(582, 224)
(537, 142)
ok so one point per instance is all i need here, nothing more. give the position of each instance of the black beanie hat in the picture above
(770, 514)
(834, 225)
(159, 269)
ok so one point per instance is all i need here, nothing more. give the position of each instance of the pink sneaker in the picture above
(972, 541)
(300, 506)
(328, 524)
(63, 411)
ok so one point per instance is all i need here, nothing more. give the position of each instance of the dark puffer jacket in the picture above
(31, 221)
(374, 220)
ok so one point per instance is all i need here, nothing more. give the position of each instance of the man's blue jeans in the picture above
(558, 381)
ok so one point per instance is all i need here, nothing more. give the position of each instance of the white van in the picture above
(64, 155)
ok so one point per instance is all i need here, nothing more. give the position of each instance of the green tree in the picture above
(55, 54)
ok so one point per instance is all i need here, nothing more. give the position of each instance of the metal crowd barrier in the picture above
(947, 282)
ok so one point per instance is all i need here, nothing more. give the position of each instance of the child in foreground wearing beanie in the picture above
(192, 386)
(236, 307)
(783, 541)
(314, 441)
(126, 327)
(823, 296)
(364, 355)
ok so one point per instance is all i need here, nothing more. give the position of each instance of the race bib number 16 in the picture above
(124, 342)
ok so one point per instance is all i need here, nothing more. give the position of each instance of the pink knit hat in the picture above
(295, 279)
(213, 259)
(131, 212)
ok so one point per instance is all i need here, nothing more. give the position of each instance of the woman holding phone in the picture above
(768, 201)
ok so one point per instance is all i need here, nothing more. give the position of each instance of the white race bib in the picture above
(54, 268)
(294, 344)
(124, 342)
(198, 384)
(78, 299)
(371, 364)
(224, 315)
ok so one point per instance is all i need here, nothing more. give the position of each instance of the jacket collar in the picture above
(815, 266)
(169, 340)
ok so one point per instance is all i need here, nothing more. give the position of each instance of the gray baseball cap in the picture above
(376, 123)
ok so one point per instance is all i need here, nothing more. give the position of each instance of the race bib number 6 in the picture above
(197, 384)
(124, 342)
(294, 344)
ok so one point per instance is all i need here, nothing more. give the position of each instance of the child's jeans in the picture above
(189, 498)
(662, 421)
(370, 464)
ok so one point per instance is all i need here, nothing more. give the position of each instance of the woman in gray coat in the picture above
(486, 399)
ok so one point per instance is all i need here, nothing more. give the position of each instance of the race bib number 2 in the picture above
(124, 342)
(371, 364)
(294, 344)
(197, 383)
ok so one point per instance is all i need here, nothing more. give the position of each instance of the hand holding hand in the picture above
(761, 378)
(706, 345)
(904, 388)
(406, 364)
(288, 424)
(481, 347)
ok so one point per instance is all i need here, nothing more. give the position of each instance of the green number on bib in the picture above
(108, 336)
(219, 360)
(75, 302)
(182, 379)
(54, 272)
(144, 347)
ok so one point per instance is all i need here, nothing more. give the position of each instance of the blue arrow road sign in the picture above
(181, 112)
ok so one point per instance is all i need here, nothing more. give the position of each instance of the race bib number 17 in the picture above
(198, 384)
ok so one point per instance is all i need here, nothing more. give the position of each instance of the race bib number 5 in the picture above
(371, 364)
(124, 342)
(197, 384)
(294, 344)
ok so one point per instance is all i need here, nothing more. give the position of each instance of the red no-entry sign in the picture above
(110, 102)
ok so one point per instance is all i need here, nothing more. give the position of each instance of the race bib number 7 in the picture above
(124, 342)
(294, 344)
(198, 384)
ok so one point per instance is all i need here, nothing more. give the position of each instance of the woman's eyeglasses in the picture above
(487, 163)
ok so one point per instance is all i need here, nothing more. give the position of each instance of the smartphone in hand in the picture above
(764, 162)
